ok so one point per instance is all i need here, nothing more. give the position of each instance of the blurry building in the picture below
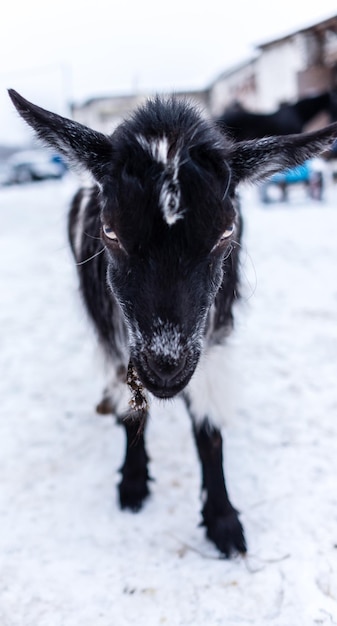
(300, 64)
(237, 84)
(105, 113)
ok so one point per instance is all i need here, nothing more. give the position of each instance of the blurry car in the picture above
(5, 174)
(31, 165)
(310, 174)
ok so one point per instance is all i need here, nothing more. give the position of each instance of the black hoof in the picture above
(132, 493)
(227, 533)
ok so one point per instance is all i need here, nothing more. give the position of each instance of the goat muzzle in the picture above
(164, 378)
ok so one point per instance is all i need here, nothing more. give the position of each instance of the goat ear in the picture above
(258, 159)
(80, 145)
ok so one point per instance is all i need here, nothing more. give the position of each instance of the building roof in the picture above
(125, 98)
(234, 69)
(327, 24)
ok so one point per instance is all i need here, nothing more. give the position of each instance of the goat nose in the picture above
(166, 371)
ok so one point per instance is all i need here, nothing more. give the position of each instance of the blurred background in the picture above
(68, 556)
(95, 62)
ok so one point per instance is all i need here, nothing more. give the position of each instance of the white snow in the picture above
(68, 555)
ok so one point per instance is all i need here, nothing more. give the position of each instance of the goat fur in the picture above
(156, 241)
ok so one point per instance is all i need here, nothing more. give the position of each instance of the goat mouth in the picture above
(164, 377)
(165, 393)
(160, 390)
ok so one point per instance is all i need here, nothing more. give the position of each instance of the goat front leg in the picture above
(219, 516)
(204, 397)
(133, 488)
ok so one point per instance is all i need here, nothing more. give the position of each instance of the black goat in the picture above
(241, 124)
(156, 243)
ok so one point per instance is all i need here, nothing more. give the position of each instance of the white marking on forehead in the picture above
(158, 148)
(170, 195)
(170, 201)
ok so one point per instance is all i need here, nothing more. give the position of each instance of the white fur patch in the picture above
(170, 196)
(210, 391)
(158, 148)
(170, 193)
(117, 393)
(78, 226)
(166, 341)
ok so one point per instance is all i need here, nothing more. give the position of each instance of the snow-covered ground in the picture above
(68, 555)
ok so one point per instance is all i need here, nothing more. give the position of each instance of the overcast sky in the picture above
(71, 50)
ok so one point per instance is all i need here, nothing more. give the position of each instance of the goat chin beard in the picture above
(138, 401)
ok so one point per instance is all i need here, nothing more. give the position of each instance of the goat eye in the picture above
(228, 232)
(109, 233)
